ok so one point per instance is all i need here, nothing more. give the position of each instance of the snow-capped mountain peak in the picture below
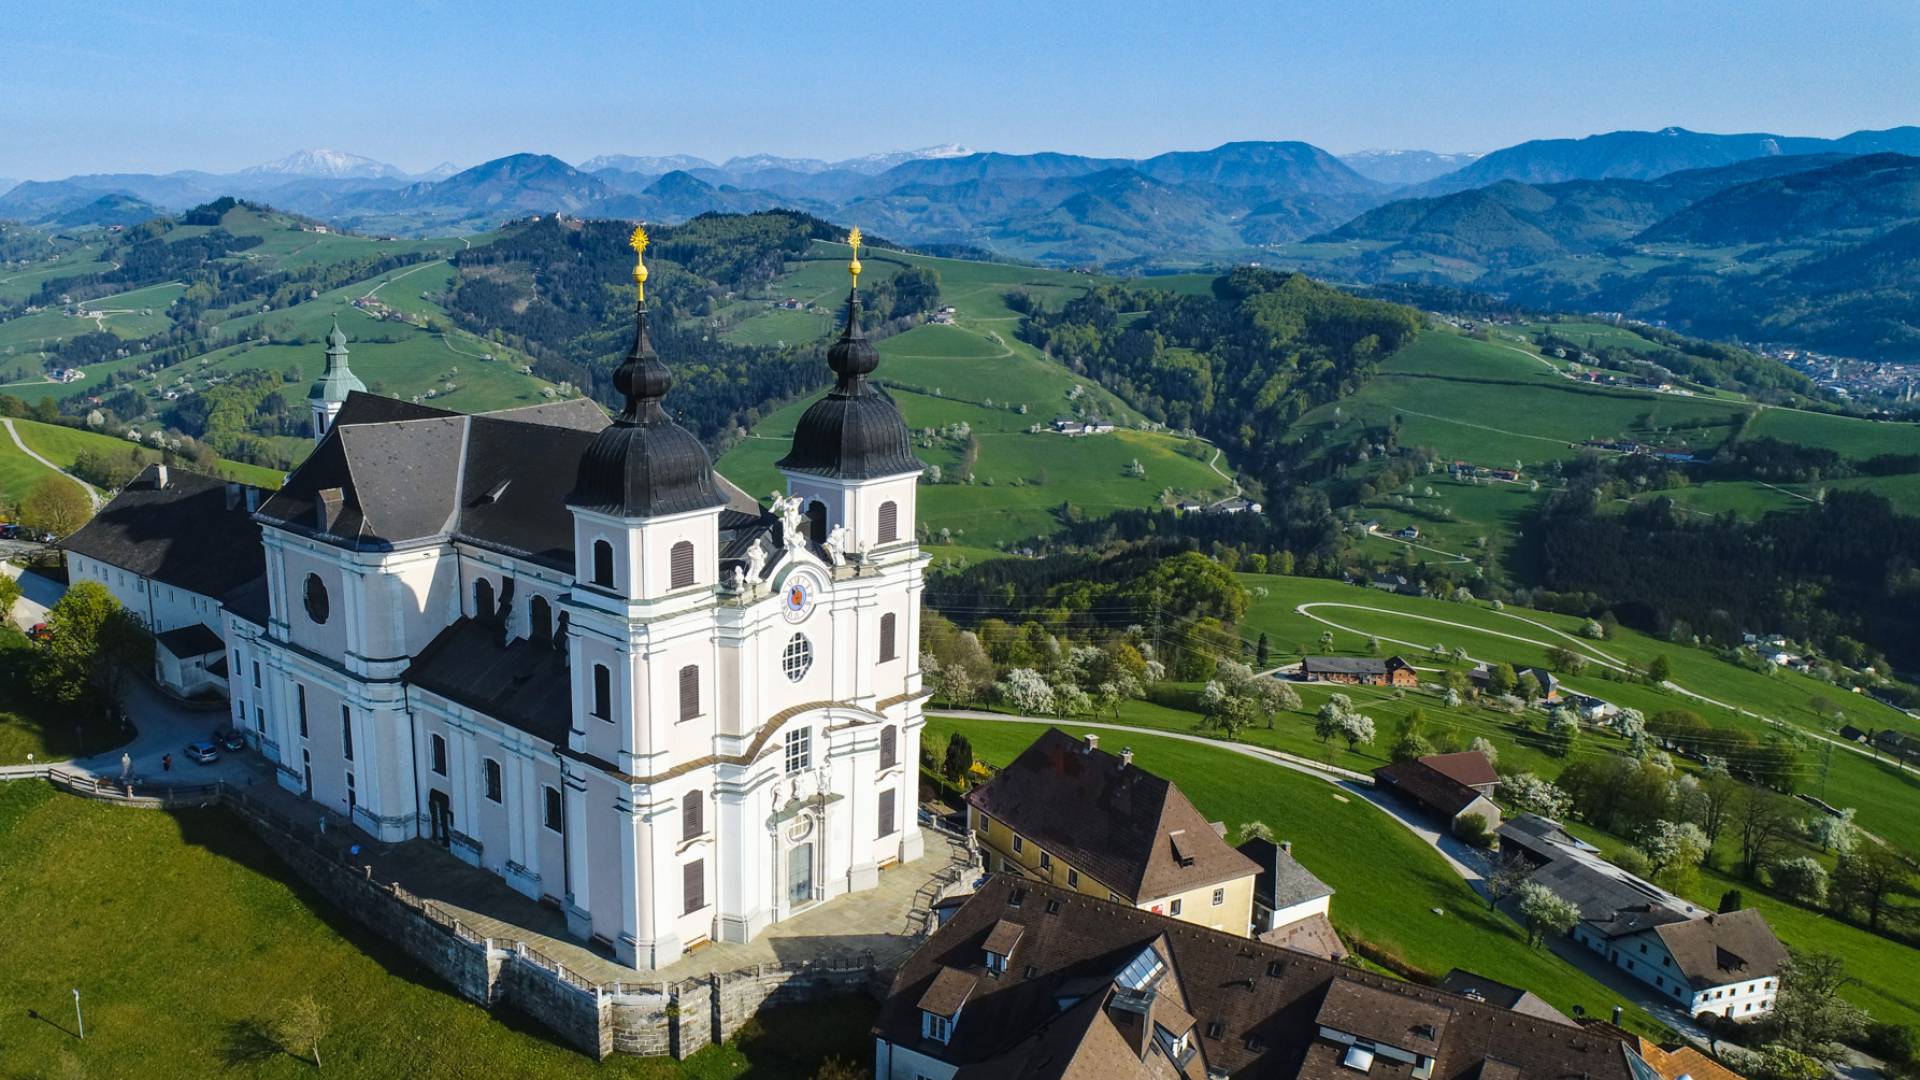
(329, 164)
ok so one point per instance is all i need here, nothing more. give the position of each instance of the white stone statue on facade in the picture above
(756, 559)
(738, 579)
(860, 550)
(836, 546)
(792, 520)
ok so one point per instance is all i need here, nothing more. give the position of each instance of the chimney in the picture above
(1126, 756)
(326, 509)
(1093, 741)
(253, 498)
(160, 477)
(233, 494)
(1286, 846)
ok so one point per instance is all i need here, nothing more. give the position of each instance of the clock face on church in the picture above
(798, 602)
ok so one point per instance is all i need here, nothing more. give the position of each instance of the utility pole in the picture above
(1826, 763)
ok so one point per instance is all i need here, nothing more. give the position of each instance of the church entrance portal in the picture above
(800, 875)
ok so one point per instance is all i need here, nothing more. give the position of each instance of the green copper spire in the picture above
(338, 380)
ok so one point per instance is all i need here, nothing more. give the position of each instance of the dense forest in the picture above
(560, 290)
(1238, 365)
(1842, 574)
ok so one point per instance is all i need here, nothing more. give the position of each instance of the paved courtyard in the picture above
(883, 920)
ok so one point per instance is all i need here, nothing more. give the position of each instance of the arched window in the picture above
(817, 521)
(602, 692)
(889, 521)
(539, 619)
(314, 594)
(692, 816)
(680, 565)
(483, 599)
(889, 747)
(888, 624)
(689, 692)
(603, 564)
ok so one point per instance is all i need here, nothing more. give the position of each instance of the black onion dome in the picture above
(856, 431)
(643, 464)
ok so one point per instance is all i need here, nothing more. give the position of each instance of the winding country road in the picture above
(94, 498)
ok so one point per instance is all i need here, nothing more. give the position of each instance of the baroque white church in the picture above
(571, 653)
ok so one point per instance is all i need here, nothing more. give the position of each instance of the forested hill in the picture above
(560, 289)
(1237, 365)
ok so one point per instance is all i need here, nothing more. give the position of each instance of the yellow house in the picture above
(1072, 814)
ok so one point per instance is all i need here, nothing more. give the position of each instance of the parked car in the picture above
(229, 740)
(40, 632)
(202, 752)
(8, 532)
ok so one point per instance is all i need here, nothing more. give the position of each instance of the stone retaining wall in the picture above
(676, 1019)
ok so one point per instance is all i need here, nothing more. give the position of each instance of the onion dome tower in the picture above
(330, 390)
(641, 468)
(852, 450)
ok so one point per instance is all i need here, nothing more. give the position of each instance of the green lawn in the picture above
(182, 933)
(18, 472)
(1883, 795)
(1387, 881)
(63, 445)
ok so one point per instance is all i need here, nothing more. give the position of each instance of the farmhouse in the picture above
(1723, 964)
(1549, 682)
(1029, 980)
(1072, 814)
(1448, 786)
(1359, 670)
(568, 652)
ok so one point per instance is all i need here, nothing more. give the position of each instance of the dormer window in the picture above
(996, 962)
(936, 1027)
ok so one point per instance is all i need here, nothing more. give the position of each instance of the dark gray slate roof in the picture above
(189, 641)
(496, 479)
(1611, 905)
(856, 431)
(1715, 950)
(524, 684)
(184, 535)
(643, 464)
(1480, 988)
(1283, 882)
(249, 601)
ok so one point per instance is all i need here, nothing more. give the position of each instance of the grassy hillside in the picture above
(184, 935)
(975, 372)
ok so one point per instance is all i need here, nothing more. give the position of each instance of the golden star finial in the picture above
(853, 241)
(638, 242)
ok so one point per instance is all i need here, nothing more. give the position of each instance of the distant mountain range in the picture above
(1644, 155)
(1543, 220)
(1398, 168)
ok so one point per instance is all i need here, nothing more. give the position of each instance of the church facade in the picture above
(571, 653)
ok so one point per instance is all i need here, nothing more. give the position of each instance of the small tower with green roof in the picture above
(330, 390)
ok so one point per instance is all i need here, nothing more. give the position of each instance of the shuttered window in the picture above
(689, 692)
(889, 623)
(692, 816)
(695, 885)
(889, 522)
(889, 748)
(680, 565)
(887, 823)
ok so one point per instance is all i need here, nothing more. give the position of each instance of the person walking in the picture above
(166, 763)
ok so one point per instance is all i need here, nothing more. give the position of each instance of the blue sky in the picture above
(201, 84)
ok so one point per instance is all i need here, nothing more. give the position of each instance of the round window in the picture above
(316, 599)
(797, 657)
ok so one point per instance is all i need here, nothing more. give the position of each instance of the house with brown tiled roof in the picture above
(1103, 991)
(1072, 814)
(1437, 785)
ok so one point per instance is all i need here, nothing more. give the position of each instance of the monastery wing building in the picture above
(572, 654)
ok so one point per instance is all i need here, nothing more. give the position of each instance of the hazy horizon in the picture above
(221, 86)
